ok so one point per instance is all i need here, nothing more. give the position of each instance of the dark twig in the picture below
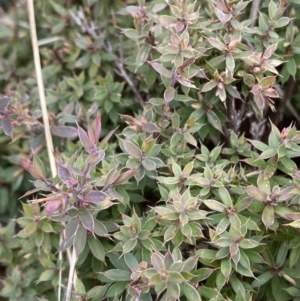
(254, 12)
(90, 28)
(276, 117)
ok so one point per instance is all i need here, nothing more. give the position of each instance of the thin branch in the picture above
(91, 30)
(254, 12)
(49, 142)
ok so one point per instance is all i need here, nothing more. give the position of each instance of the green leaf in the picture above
(214, 121)
(230, 63)
(282, 22)
(226, 267)
(190, 292)
(117, 275)
(225, 197)
(96, 248)
(80, 240)
(268, 216)
(46, 275)
(173, 290)
(262, 279)
(129, 245)
(131, 261)
(175, 277)
(132, 149)
(217, 44)
(86, 219)
(214, 205)
(291, 67)
(116, 289)
(97, 291)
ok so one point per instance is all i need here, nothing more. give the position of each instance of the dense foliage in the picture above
(175, 144)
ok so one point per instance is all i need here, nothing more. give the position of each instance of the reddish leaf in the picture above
(125, 176)
(97, 128)
(33, 170)
(91, 135)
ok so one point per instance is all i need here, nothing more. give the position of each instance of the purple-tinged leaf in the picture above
(157, 262)
(95, 196)
(7, 127)
(85, 141)
(260, 100)
(169, 94)
(76, 171)
(86, 219)
(4, 102)
(63, 172)
(80, 240)
(95, 158)
(64, 131)
(224, 18)
(150, 127)
(185, 82)
(256, 193)
(158, 67)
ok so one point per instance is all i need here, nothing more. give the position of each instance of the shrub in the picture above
(196, 195)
